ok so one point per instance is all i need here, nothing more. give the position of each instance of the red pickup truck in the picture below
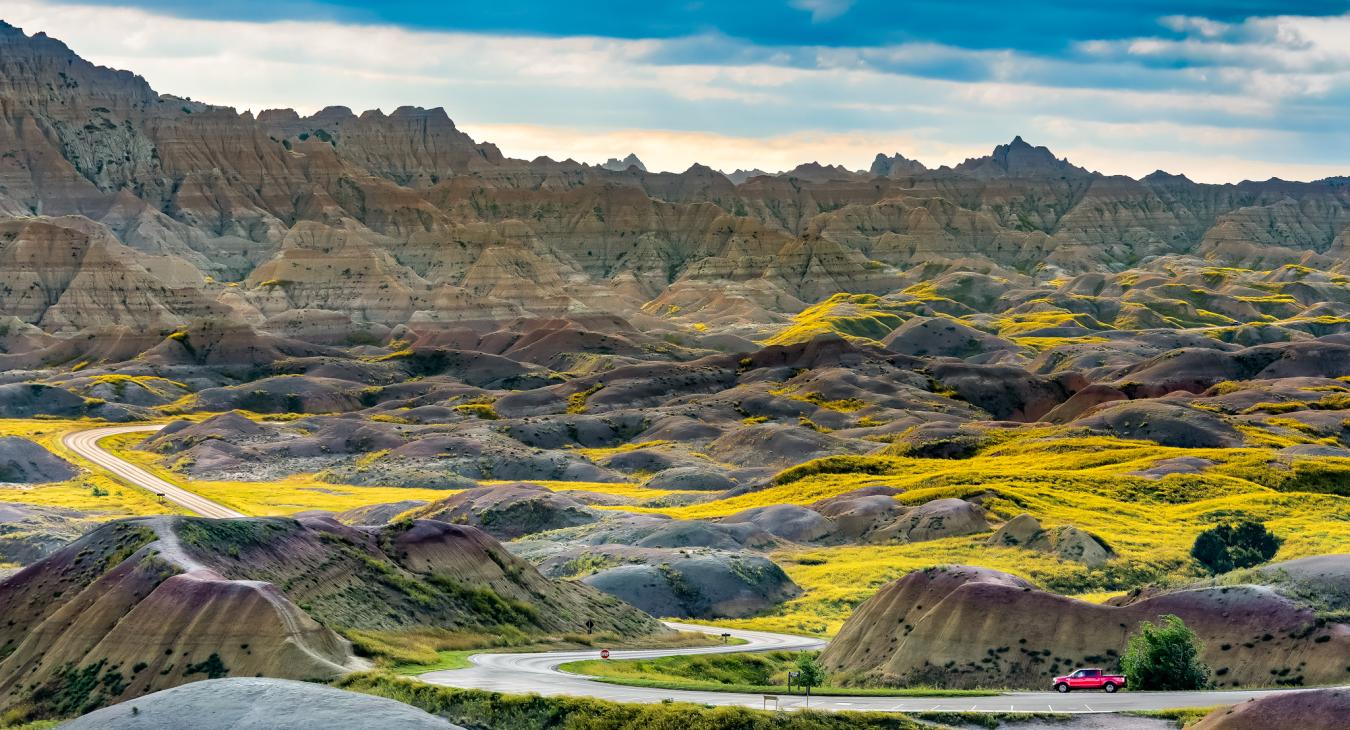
(1089, 679)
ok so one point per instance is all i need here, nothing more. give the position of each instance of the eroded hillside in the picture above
(131, 208)
(758, 398)
(140, 605)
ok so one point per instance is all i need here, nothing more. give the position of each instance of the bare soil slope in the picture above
(144, 604)
(969, 627)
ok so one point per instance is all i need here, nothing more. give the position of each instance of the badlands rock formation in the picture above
(677, 385)
(1320, 708)
(250, 703)
(130, 207)
(961, 626)
(146, 604)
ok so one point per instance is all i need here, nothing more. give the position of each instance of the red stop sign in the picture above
(604, 653)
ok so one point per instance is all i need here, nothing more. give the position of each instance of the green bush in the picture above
(1228, 547)
(1164, 657)
(810, 673)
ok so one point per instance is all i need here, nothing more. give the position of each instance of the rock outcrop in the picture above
(510, 510)
(256, 703)
(29, 533)
(121, 205)
(962, 626)
(1318, 709)
(146, 604)
(1066, 542)
(697, 584)
(26, 462)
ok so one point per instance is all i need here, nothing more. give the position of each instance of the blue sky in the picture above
(1219, 91)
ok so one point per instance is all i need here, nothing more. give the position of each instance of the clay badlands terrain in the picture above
(461, 396)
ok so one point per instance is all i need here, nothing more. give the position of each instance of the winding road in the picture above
(85, 444)
(538, 672)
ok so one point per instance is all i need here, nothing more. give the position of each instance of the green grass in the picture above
(447, 659)
(94, 492)
(1182, 716)
(864, 317)
(576, 403)
(750, 673)
(482, 709)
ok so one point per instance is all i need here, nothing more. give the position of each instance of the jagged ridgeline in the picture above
(144, 604)
(762, 397)
(127, 207)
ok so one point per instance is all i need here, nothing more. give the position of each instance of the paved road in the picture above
(538, 673)
(85, 443)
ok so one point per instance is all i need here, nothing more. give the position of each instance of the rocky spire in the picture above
(895, 165)
(618, 165)
(1018, 159)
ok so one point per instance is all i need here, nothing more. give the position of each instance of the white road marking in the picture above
(85, 444)
(538, 672)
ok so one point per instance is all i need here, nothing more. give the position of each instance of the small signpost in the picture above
(590, 625)
(726, 638)
(796, 677)
(604, 653)
(771, 698)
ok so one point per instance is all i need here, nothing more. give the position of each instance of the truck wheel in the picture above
(1109, 687)
(1061, 688)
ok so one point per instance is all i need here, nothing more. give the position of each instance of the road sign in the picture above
(604, 653)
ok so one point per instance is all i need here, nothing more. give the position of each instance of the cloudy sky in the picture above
(1220, 91)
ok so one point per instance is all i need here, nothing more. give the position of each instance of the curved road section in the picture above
(538, 673)
(85, 444)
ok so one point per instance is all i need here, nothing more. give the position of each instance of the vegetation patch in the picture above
(751, 672)
(479, 709)
(865, 317)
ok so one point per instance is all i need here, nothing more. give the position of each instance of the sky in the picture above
(1219, 91)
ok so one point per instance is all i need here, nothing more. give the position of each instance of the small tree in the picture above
(1228, 547)
(1165, 656)
(809, 671)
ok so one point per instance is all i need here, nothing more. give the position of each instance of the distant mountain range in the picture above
(119, 205)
